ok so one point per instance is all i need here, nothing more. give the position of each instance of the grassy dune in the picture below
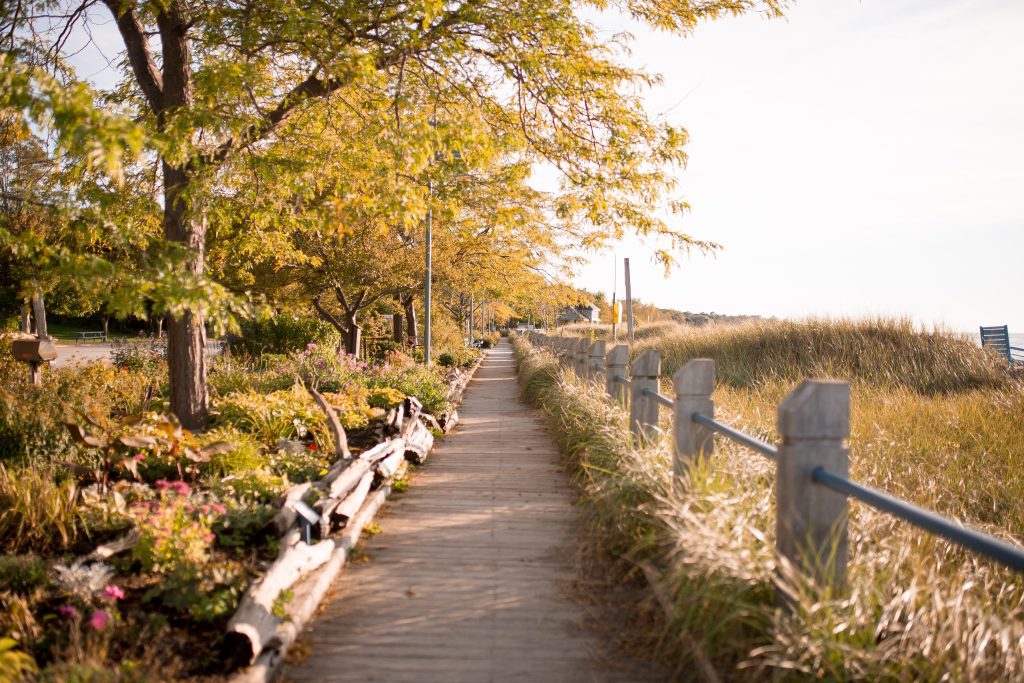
(935, 420)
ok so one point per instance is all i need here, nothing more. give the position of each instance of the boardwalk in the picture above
(467, 579)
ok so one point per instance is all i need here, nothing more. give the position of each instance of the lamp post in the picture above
(426, 296)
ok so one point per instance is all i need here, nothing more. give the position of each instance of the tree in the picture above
(210, 82)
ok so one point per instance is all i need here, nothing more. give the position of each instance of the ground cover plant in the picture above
(93, 457)
(934, 420)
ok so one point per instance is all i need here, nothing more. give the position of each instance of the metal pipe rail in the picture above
(660, 398)
(814, 418)
(765, 449)
(1001, 551)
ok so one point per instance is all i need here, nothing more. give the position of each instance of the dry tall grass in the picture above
(935, 420)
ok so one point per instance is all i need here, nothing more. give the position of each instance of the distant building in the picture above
(582, 313)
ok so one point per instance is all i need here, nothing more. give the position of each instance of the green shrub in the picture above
(385, 398)
(287, 414)
(246, 453)
(149, 358)
(458, 358)
(284, 333)
(37, 514)
(21, 573)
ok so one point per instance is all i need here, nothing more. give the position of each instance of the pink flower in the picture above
(178, 487)
(140, 456)
(113, 592)
(219, 509)
(68, 611)
(310, 346)
(99, 620)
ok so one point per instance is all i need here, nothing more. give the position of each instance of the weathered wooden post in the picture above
(579, 357)
(694, 383)
(617, 364)
(811, 533)
(643, 410)
(595, 361)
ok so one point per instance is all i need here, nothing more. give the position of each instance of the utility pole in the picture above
(470, 318)
(615, 303)
(629, 304)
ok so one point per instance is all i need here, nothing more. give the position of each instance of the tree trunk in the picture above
(106, 327)
(186, 333)
(26, 318)
(397, 333)
(410, 317)
(353, 334)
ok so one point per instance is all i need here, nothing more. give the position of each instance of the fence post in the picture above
(595, 361)
(643, 411)
(579, 356)
(811, 523)
(617, 362)
(694, 384)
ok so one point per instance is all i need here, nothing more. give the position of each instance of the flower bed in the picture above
(128, 541)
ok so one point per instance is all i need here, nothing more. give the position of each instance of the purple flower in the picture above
(99, 620)
(68, 611)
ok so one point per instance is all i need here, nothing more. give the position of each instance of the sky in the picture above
(857, 158)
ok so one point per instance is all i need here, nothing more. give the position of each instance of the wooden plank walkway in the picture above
(467, 579)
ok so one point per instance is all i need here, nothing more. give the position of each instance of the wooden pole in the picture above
(811, 523)
(579, 355)
(643, 410)
(694, 383)
(617, 363)
(629, 303)
(595, 361)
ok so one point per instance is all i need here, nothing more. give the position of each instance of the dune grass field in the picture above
(935, 420)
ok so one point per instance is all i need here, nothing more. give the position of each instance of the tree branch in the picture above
(139, 54)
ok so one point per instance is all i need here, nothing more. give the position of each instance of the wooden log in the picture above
(309, 593)
(286, 516)
(254, 624)
(389, 465)
(353, 501)
(108, 550)
(418, 442)
(337, 431)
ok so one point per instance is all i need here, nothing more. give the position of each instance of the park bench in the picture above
(997, 338)
(86, 336)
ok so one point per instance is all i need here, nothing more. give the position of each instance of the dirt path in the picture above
(468, 579)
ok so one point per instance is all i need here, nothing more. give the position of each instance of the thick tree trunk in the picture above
(106, 327)
(26, 318)
(397, 333)
(186, 332)
(353, 334)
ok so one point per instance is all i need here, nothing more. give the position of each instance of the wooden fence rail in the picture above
(812, 462)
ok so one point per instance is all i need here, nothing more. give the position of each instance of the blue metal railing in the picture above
(990, 546)
(994, 548)
(660, 398)
(765, 449)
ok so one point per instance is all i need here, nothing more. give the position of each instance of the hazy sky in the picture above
(858, 157)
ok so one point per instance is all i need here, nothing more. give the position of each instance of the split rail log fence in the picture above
(813, 487)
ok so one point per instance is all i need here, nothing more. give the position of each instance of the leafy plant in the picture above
(127, 443)
(385, 397)
(284, 414)
(21, 573)
(15, 664)
(36, 513)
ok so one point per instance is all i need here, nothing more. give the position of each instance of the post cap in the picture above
(647, 364)
(817, 409)
(695, 378)
(619, 355)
